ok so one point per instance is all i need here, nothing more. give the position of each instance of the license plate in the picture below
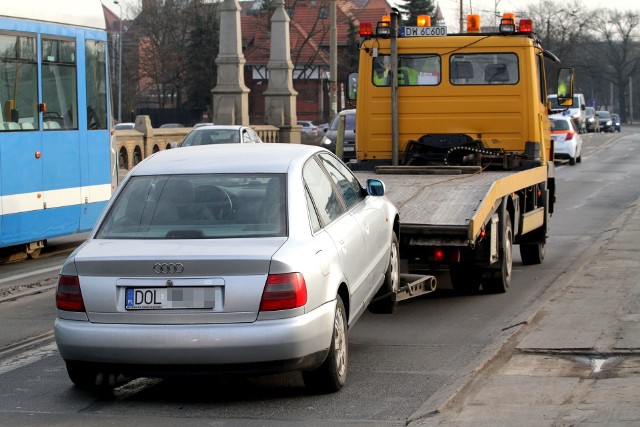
(423, 31)
(169, 298)
(349, 148)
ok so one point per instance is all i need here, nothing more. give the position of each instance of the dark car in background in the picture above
(592, 119)
(331, 136)
(616, 122)
(606, 124)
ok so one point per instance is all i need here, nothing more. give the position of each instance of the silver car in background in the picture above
(235, 258)
(210, 134)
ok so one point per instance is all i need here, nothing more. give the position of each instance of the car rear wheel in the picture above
(572, 161)
(384, 302)
(87, 377)
(332, 374)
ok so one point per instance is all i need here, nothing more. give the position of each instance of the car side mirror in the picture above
(375, 187)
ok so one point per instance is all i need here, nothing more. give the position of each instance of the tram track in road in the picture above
(33, 341)
(33, 276)
(26, 352)
(13, 292)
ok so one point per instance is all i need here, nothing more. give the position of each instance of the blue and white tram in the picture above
(57, 155)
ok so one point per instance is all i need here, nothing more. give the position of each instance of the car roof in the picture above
(211, 126)
(226, 158)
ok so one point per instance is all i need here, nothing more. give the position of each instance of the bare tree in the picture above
(618, 52)
(162, 30)
(201, 51)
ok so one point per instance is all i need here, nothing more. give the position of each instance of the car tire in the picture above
(572, 161)
(384, 301)
(86, 377)
(500, 279)
(332, 374)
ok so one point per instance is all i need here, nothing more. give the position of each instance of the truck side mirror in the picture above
(352, 87)
(565, 87)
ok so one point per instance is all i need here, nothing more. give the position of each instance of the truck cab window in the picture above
(413, 70)
(484, 69)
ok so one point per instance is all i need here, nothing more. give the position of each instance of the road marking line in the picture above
(27, 358)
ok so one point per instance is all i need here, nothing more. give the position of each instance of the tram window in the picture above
(96, 76)
(59, 82)
(19, 83)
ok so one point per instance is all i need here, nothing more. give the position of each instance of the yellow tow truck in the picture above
(461, 139)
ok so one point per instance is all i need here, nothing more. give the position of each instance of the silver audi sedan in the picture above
(220, 259)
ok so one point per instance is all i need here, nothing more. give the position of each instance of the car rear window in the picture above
(350, 122)
(560, 125)
(211, 136)
(203, 206)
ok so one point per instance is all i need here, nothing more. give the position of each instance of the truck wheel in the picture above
(532, 253)
(384, 301)
(500, 279)
(332, 374)
(465, 278)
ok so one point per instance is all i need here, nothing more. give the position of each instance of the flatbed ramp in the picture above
(442, 202)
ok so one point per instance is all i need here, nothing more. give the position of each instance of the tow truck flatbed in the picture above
(456, 205)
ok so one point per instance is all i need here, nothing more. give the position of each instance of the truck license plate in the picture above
(169, 298)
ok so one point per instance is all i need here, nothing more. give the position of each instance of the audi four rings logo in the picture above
(168, 268)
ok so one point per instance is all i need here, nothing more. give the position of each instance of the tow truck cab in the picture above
(480, 94)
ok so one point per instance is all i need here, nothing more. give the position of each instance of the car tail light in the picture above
(569, 135)
(69, 296)
(284, 291)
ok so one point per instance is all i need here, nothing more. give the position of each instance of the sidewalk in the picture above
(575, 362)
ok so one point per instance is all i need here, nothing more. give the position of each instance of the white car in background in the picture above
(567, 141)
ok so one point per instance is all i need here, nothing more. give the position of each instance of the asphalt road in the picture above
(400, 365)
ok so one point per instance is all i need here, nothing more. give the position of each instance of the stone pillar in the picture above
(230, 96)
(280, 97)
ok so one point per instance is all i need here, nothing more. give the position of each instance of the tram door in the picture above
(61, 133)
(21, 173)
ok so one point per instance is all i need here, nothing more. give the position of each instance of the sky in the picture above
(451, 8)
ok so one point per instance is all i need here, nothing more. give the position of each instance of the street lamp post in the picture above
(119, 63)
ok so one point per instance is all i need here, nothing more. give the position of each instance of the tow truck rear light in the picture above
(526, 26)
(366, 29)
(68, 295)
(284, 291)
